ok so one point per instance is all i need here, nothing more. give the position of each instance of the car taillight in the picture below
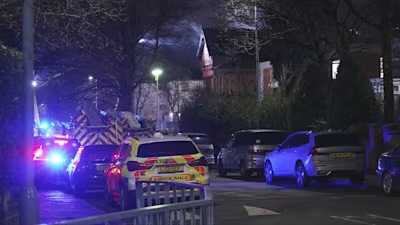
(200, 162)
(61, 142)
(133, 166)
(314, 151)
(38, 153)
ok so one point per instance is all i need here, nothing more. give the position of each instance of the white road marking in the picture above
(256, 211)
(384, 217)
(351, 220)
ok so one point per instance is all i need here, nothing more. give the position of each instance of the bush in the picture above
(221, 115)
(275, 113)
(352, 99)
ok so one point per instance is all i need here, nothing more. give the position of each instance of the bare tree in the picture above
(141, 95)
(121, 36)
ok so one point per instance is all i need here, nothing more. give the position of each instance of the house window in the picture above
(335, 67)
(381, 66)
(396, 88)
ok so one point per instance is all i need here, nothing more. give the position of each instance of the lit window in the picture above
(335, 67)
(381, 67)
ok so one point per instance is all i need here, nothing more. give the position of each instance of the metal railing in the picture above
(161, 203)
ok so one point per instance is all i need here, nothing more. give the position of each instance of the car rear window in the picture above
(330, 140)
(167, 148)
(94, 152)
(260, 138)
(200, 139)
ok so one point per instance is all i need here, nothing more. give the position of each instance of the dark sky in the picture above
(183, 47)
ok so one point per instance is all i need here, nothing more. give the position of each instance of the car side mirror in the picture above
(279, 147)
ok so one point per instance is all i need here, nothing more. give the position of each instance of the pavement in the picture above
(56, 205)
(251, 201)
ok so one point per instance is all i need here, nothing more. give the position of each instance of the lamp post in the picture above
(156, 73)
(259, 76)
(29, 197)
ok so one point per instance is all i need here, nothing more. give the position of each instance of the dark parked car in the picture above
(245, 151)
(51, 157)
(204, 144)
(388, 171)
(86, 169)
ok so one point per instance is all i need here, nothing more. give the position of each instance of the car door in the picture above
(222, 153)
(114, 172)
(296, 152)
(228, 157)
(280, 156)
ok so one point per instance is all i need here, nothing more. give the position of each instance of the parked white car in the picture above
(316, 155)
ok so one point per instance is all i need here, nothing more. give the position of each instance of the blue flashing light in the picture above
(44, 125)
(56, 158)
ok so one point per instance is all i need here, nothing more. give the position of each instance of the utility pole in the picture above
(259, 77)
(29, 197)
(388, 101)
(158, 106)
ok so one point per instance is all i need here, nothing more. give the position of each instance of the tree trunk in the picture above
(387, 62)
(125, 101)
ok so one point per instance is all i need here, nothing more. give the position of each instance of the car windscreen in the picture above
(260, 138)
(167, 148)
(338, 139)
(200, 139)
(99, 152)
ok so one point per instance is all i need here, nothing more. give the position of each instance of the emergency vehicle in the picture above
(152, 158)
(57, 144)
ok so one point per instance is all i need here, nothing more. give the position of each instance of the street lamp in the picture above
(34, 83)
(28, 193)
(157, 73)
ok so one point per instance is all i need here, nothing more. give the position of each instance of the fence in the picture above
(161, 203)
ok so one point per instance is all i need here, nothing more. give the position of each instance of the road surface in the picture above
(252, 202)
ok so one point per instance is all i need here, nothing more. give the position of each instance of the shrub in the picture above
(352, 100)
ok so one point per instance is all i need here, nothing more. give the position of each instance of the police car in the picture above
(156, 158)
(51, 157)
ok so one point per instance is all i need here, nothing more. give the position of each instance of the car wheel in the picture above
(302, 179)
(269, 173)
(68, 187)
(107, 197)
(78, 191)
(127, 199)
(221, 170)
(357, 178)
(387, 184)
(243, 171)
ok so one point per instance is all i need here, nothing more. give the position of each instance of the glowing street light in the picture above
(90, 77)
(34, 83)
(157, 73)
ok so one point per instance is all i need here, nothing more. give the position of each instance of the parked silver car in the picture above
(204, 144)
(309, 155)
(245, 151)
